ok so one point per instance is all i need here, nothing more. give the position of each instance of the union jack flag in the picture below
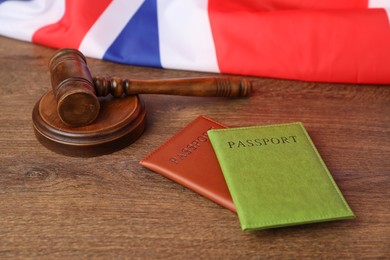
(323, 40)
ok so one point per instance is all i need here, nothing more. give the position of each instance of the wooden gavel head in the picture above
(73, 88)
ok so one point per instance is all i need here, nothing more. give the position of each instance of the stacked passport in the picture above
(272, 176)
(189, 159)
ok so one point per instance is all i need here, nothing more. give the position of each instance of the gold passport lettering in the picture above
(262, 141)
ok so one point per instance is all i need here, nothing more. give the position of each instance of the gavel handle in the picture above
(201, 87)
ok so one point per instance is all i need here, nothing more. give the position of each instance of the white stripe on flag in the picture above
(378, 3)
(21, 19)
(109, 25)
(185, 36)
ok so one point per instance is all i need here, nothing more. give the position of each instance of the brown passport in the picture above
(189, 159)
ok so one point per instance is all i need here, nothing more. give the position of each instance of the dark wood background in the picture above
(53, 206)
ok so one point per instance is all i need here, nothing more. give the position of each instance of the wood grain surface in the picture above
(56, 207)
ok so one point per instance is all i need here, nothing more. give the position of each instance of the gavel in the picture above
(77, 92)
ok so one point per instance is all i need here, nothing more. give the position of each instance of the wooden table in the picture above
(53, 206)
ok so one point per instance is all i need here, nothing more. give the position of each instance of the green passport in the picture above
(276, 176)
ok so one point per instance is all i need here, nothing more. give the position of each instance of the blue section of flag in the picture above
(138, 43)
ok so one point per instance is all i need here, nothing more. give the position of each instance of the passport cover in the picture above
(276, 176)
(189, 159)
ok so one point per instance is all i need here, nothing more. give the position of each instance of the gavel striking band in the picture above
(76, 91)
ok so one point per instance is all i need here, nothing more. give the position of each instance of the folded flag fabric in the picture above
(323, 40)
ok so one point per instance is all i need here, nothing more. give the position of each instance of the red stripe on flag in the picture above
(328, 46)
(79, 17)
(272, 5)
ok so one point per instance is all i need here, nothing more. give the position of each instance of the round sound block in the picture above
(120, 122)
